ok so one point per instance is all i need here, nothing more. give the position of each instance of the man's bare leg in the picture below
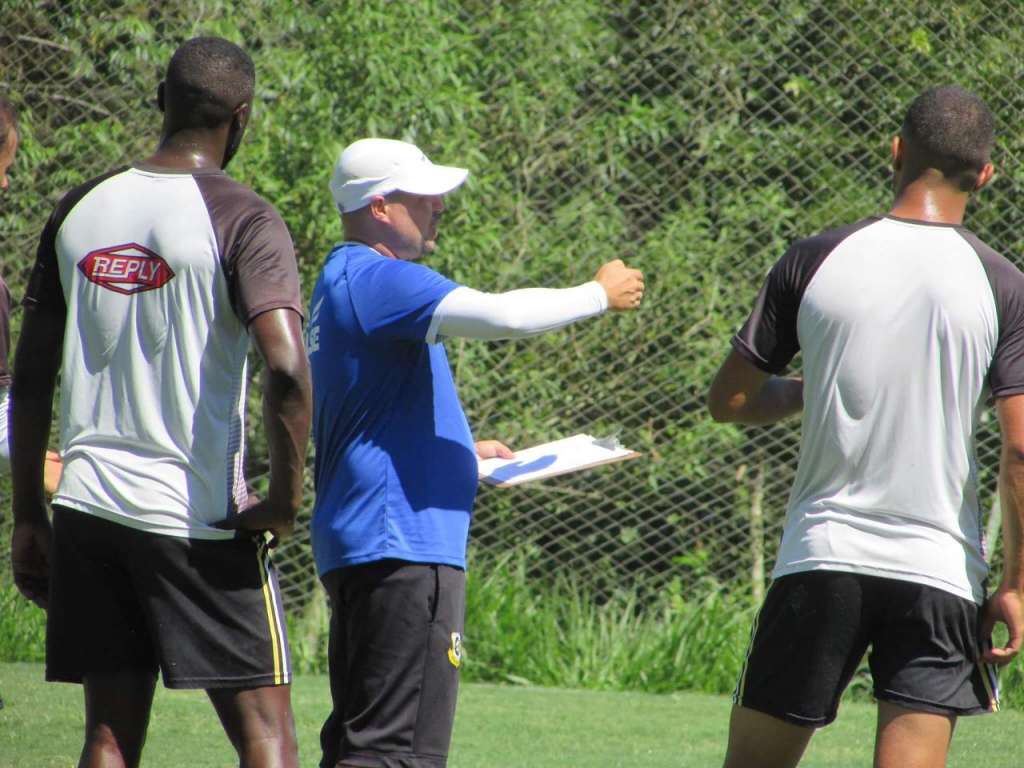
(910, 739)
(116, 717)
(757, 740)
(259, 723)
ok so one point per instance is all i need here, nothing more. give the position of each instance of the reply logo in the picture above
(126, 269)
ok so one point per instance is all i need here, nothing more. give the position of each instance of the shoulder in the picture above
(792, 273)
(226, 196)
(347, 263)
(79, 190)
(357, 255)
(362, 261)
(802, 259)
(994, 262)
(75, 195)
(826, 241)
(1004, 278)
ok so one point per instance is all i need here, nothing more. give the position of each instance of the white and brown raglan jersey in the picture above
(906, 329)
(160, 274)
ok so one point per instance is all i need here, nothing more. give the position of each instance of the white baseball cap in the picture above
(371, 167)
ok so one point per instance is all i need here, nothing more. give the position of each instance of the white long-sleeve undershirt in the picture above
(472, 314)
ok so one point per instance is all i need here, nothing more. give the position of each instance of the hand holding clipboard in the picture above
(560, 457)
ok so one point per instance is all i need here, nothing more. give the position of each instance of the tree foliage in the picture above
(693, 140)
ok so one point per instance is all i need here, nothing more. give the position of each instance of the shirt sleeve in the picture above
(471, 314)
(1006, 372)
(768, 339)
(261, 269)
(44, 292)
(396, 299)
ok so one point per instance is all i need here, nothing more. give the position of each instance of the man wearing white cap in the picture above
(396, 464)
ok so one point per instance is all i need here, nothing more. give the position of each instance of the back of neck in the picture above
(924, 200)
(187, 151)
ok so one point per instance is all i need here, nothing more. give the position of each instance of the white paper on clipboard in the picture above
(560, 457)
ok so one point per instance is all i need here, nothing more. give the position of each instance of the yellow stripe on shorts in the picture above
(991, 680)
(262, 556)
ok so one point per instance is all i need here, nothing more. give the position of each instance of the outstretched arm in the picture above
(472, 314)
(743, 393)
(37, 362)
(1006, 605)
(287, 411)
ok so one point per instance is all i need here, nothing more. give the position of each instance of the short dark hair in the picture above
(952, 130)
(207, 79)
(8, 119)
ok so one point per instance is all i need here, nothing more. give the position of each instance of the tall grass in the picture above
(22, 627)
(1011, 686)
(522, 630)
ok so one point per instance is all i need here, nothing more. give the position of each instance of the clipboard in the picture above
(559, 457)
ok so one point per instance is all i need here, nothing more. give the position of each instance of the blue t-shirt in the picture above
(396, 469)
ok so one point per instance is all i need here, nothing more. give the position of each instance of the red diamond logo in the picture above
(126, 269)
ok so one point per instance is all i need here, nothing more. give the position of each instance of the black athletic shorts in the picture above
(814, 628)
(394, 657)
(206, 613)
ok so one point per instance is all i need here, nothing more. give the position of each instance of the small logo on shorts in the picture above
(455, 650)
(127, 269)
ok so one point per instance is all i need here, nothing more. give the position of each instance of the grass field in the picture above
(497, 727)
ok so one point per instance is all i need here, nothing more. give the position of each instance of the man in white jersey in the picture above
(149, 283)
(908, 325)
(8, 149)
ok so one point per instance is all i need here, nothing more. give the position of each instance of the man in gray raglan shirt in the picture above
(908, 325)
(149, 284)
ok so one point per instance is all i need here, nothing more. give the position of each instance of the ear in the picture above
(984, 176)
(160, 99)
(241, 115)
(236, 130)
(378, 209)
(897, 152)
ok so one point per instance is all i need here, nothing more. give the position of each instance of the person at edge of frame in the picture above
(150, 281)
(908, 323)
(396, 462)
(9, 139)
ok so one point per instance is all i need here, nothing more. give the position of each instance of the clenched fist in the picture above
(624, 286)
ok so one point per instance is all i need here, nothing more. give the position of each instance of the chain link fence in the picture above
(692, 139)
